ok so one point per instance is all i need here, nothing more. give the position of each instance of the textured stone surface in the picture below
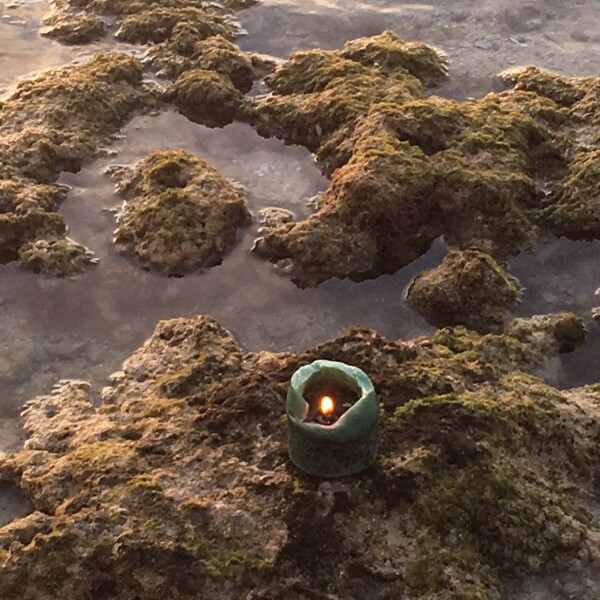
(179, 485)
(406, 170)
(53, 123)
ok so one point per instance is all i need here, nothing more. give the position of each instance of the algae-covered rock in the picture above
(365, 225)
(61, 256)
(179, 485)
(575, 209)
(466, 170)
(180, 213)
(158, 24)
(469, 288)
(561, 332)
(213, 54)
(389, 54)
(205, 97)
(75, 30)
(16, 230)
(48, 124)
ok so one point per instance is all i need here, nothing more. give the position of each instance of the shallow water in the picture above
(86, 326)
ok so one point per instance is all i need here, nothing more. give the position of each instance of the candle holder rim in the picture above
(361, 417)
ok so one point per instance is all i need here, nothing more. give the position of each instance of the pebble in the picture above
(486, 44)
(596, 313)
(273, 216)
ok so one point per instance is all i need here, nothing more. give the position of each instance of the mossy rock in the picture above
(75, 30)
(18, 230)
(179, 484)
(180, 213)
(184, 52)
(59, 257)
(469, 288)
(158, 24)
(477, 164)
(205, 97)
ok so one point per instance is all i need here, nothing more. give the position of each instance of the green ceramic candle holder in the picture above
(344, 447)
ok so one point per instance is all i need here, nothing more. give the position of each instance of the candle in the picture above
(332, 413)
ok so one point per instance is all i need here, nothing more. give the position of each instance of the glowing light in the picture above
(327, 405)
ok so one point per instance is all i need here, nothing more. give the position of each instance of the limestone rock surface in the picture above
(179, 485)
(469, 288)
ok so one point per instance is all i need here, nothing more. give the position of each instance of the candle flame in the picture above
(327, 405)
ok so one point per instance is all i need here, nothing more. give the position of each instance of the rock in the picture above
(562, 332)
(469, 288)
(575, 212)
(596, 313)
(273, 216)
(52, 123)
(59, 257)
(73, 30)
(160, 23)
(180, 213)
(406, 170)
(179, 485)
(18, 230)
(205, 97)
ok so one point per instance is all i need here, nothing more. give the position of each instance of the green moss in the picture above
(75, 30)
(233, 564)
(574, 212)
(158, 24)
(390, 54)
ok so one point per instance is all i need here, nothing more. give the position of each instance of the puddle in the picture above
(13, 504)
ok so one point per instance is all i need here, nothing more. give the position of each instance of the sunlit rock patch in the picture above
(179, 484)
(180, 213)
(205, 97)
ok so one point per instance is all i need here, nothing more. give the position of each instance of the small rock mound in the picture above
(469, 288)
(205, 97)
(180, 213)
(75, 30)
